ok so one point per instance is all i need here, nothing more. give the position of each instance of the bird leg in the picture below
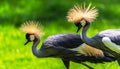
(66, 62)
(87, 65)
(78, 60)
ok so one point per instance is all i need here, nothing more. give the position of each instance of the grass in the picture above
(14, 55)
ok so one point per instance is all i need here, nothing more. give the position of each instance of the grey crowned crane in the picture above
(107, 41)
(68, 47)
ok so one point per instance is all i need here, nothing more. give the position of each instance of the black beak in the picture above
(26, 42)
(78, 26)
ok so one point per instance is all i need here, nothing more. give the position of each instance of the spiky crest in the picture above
(32, 27)
(79, 13)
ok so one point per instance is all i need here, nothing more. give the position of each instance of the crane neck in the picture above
(86, 39)
(34, 46)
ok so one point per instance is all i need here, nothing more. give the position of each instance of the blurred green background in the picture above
(52, 15)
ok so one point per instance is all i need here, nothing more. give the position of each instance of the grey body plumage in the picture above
(108, 40)
(114, 35)
(97, 40)
(61, 46)
(64, 40)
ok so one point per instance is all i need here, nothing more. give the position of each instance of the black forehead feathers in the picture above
(78, 24)
(27, 36)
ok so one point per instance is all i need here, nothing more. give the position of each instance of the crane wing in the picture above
(88, 50)
(111, 45)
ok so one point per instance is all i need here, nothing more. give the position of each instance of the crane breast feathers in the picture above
(32, 27)
(79, 13)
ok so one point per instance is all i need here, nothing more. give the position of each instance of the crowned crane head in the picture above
(33, 31)
(81, 15)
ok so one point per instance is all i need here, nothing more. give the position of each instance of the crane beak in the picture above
(26, 42)
(78, 25)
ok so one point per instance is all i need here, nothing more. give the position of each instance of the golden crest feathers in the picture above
(91, 51)
(79, 13)
(32, 27)
(88, 50)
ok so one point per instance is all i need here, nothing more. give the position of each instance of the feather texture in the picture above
(89, 51)
(32, 27)
(72, 42)
(79, 13)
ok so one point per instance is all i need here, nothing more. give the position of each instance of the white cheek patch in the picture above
(109, 44)
(83, 22)
(32, 37)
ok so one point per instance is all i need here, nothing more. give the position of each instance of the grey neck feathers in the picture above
(34, 47)
(87, 40)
